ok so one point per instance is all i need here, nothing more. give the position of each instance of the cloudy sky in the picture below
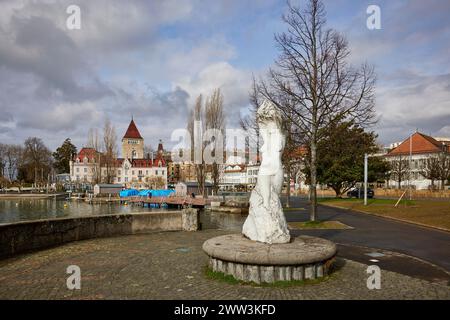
(150, 59)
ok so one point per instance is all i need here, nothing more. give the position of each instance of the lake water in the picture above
(34, 209)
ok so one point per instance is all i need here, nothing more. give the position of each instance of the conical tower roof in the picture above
(132, 132)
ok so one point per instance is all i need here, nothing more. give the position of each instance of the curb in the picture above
(397, 253)
(390, 218)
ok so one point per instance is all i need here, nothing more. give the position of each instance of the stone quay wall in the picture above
(26, 236)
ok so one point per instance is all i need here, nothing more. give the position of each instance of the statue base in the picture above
(251, 261)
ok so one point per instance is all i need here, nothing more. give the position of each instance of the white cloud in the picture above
(234, 84)
(421, 102)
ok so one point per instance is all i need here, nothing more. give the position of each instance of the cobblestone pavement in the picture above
(171, 265)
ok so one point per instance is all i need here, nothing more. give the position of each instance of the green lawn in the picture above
(431, 213)
(333, 225)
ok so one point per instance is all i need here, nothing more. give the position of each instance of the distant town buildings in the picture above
(133, 170)
(137, 169)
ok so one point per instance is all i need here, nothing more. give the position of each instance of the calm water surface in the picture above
(34, 209)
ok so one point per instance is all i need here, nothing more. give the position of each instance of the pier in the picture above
(173, 201)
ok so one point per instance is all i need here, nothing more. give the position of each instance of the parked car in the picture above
(359, 193)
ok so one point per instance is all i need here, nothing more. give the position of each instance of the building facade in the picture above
(133, 170)
(408, 160)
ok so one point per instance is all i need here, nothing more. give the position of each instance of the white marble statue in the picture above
(266, 222)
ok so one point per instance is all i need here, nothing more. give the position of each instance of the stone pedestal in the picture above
(303, 258)
(189, 219)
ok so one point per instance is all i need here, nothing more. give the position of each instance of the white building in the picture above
(414, 152)
(133, 170)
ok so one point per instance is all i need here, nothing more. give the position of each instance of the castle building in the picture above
(132, 143)
(133, 170)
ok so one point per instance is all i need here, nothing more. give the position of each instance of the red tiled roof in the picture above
(141, 163)
(132, 131)
(420, 144)
(89, 153)
(147, 162)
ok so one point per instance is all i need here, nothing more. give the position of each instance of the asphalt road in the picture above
(424, 243)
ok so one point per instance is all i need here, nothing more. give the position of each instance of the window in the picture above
(85, 169)
(78, 170)
(162, 172)
(140, 172)
(156, 172)
(120, 172)
(146, 172)
(132, 172)
(118, 179)
(126, 179)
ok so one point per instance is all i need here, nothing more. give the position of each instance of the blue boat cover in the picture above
(156, 193)
(128, 193)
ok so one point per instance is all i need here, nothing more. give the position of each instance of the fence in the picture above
(388, 193)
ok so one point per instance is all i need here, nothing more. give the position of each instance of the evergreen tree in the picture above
(341, 158)
(63, 155)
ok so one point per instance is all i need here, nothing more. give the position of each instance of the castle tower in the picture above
(160, 149)
(132, 143)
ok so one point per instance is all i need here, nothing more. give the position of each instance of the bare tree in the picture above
(443, 159)
(431, 170)
(155, 182)
(196, 123)
(93, 141)
(312, 71)
(14, 158)
(290, 159)
(248, 122)
(399, 170)
(215, 119)
(148, 150)
(110, 150)
(36, 160)
(3, 148)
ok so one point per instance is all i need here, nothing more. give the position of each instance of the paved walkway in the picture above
(375, 232)
(170, 266)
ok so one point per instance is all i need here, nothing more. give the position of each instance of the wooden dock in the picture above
(171, 201)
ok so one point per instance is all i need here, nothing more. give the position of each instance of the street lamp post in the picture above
(365, 177)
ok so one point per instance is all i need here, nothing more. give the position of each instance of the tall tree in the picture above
(109, 150)
(63, 155)
(2, 159)
(431, 169)
(37, 160)
(444, 168)
(196, 127)
(149, 151)
(341, 157)
(248, 122)
(312, 70)
(93, 139)
(215, 119)
(14, 158)
(399, 170)
(93, 142)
